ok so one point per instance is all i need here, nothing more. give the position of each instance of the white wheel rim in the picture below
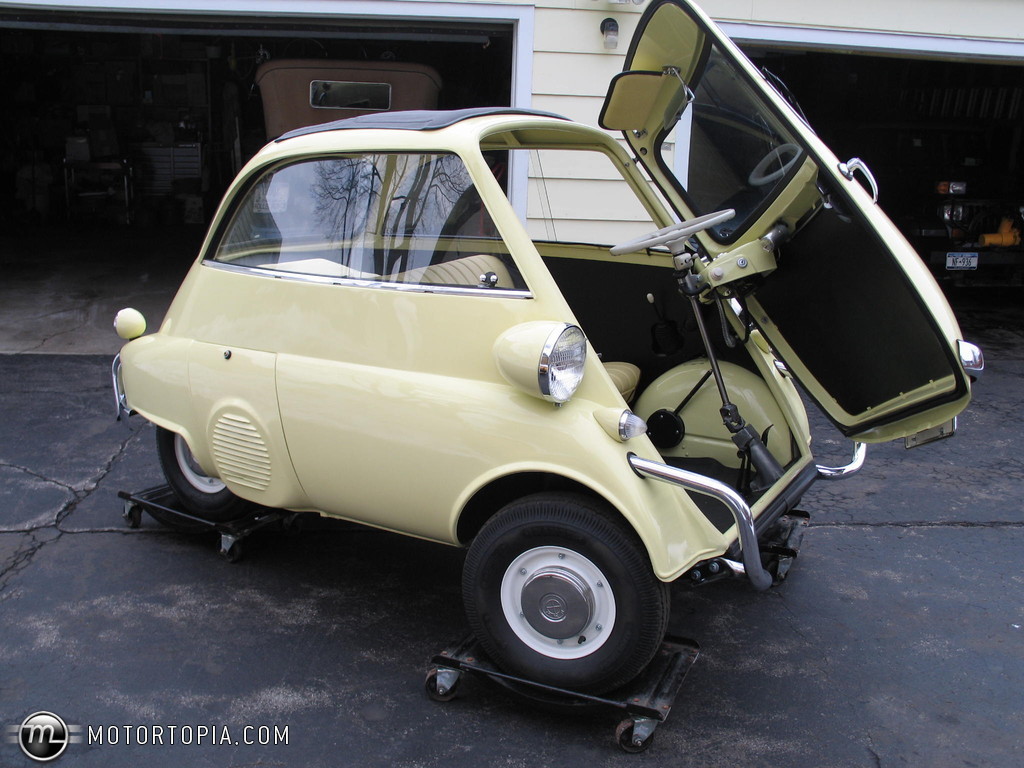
(579, 605)
(191, 470)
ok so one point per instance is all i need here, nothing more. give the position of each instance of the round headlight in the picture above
(561, 363)
(542, 358)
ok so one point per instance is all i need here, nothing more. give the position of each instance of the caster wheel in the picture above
(133, 515)
(233, 553)
(626, 740)
(435, 693)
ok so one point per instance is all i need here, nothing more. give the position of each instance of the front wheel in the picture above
(559, 590)
(200, 494)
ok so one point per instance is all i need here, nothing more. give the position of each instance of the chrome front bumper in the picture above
(750, 553)
(119, 395)
(860, 451)
(691, 481)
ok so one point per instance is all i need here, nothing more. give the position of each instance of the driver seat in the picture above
(625, 377)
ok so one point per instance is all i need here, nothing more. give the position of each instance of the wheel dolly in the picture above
(646, 700)
(161, 500)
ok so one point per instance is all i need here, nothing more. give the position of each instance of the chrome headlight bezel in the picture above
(561, 364)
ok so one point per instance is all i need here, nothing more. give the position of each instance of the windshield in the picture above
(730, 151)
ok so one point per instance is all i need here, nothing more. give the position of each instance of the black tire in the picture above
(199, 494)
(560, 566)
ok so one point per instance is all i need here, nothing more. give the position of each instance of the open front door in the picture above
(809, 260)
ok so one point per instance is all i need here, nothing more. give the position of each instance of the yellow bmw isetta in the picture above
(372, 333)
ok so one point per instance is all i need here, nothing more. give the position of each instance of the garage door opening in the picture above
(143, 122)
(123, 131)
(943, 139)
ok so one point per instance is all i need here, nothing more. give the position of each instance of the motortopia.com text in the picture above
(125, 735)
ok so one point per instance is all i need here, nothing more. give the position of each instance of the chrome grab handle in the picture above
(860, 450)
(854, 164)
(692, 481)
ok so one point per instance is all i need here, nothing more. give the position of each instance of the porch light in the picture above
(610, 30)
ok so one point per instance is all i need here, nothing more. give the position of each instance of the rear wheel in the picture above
(200, 494)
(559, 590)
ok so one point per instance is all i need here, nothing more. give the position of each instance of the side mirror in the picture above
(634, 97)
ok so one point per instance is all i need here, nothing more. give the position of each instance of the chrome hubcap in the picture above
(558, 602)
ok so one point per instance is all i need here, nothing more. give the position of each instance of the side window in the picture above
(413, 219)
(578, 196)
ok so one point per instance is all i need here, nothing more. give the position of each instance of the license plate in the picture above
(961, 260)
(940, 432)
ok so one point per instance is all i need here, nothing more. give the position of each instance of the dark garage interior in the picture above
(943, 139)
(164, 111)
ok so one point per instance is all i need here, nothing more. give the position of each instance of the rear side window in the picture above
(396, 218)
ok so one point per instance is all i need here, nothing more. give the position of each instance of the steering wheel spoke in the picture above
(674, 235)
(774, 165)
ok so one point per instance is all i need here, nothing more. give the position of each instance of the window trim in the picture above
(355, 282)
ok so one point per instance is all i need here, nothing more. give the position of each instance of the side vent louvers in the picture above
(240, 452)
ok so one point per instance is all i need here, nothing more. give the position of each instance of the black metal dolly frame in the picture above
(162, 500)
(647, 700)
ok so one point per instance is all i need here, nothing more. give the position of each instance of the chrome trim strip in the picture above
(707, 486)
(860, 451)
(361, 283)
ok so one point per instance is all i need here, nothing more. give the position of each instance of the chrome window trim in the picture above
(266, 272)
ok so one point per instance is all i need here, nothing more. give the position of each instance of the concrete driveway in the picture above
(897, 639)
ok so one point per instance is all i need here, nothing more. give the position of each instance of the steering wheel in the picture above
(761, 175)
(674, 235)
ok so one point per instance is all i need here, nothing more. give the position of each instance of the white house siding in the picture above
(571, 72)
(571, 67)
(984, 20)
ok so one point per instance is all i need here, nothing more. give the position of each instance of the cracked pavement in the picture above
(896, 641)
